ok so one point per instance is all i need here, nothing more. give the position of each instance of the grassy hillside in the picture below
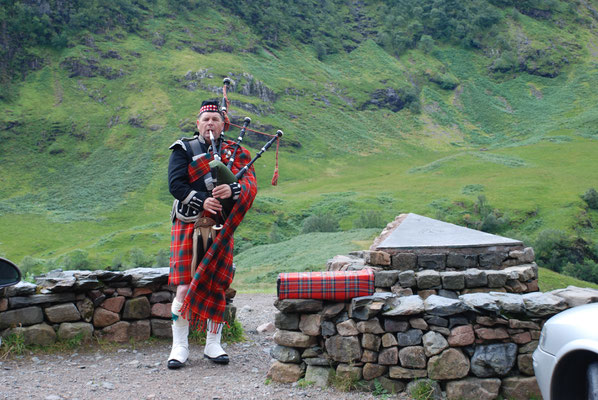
(84, 138)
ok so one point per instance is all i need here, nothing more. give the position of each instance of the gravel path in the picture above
(139, 371)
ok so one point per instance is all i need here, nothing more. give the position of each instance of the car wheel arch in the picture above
(569, 379)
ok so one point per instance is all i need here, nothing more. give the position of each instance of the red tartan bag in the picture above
(330, 285)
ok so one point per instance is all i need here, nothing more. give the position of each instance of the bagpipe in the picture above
(206, 228)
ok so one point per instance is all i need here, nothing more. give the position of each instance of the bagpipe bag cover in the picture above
(329, 285)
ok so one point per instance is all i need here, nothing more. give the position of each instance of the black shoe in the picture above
(175, 364)
(223, 359)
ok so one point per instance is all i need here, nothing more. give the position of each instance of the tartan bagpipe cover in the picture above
(329, 285)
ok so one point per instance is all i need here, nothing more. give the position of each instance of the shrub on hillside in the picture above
(554, 249)
(320, 223)
(137, 258)
(370, 219)
(587, 271)
(162, 259)
(77, 259)
(591, 198)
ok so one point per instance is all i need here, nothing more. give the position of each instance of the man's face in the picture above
(210, 121)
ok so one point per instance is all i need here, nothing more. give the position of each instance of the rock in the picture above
(520, 388)
(144, 277)
(461, 261)
(521, 338)
(413, 357)
(118, 332)
(285, 373)
(528, 347)
(39, 335)
(426, 388)
(370, 341)
(435, 320)
(428, 279)
(514, 286)
(390, 385)
(388, 356)
(480, 301)
(418, 323)
(137, 308)
(86, 309)
(124, 291)
(404, 261)
(460, 336)
(452, 280)
(372, 371)
(450, 364)
(525, 364)
(491, 334)
(424, 294)
(3, 304)
(473, 389)
(349, 372)
(575, 296)
(509, 303)
(340, 263)
(543, 304)
(293, 339)
(410, 338)
(320, 376)
(388, 340)
(162, 296)
(493, 359)
(161, 310)
(409, 374)
(97, 297)
(347, 328)
(161, 328)
(399, 291)
(444, 331)
(496, 279)
(114, 304)
(332, 310)
(432, 261)
(518, 324)
(370, 326)
(369, 356)
(532, 286)
(310, 352)
(328, 328)
(298, 305)
(475, 278)
(70, 330)
(286, 321)
(23, 317)
(364, 308)
(140, 330)
(456, 321)
(268, 327)
(142, 291)
(63, 313)
(442, 306)
(23, 288)
(392, 325)
(310, 324)
(408, 305)
(494, 259)
(19, 302)
(376, 257)
(385, 278)
(285, 354)
(451, 294)
(103, 317)
(407, 279)
(522, 273)
(343, 348)
(434, 343)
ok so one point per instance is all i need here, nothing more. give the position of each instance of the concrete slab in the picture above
(417, 231)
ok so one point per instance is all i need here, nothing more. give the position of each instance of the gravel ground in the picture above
(139, 372)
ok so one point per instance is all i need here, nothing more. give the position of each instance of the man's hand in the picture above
(222, 192)
(212, 205)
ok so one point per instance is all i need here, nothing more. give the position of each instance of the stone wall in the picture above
(470, 331)
(111, 305)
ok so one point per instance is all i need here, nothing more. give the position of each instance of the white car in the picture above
(566, 360)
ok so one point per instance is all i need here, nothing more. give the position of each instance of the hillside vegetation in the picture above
(481, 113)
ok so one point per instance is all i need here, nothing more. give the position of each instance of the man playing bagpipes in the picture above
(209, 205)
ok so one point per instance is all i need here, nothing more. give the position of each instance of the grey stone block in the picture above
(461, 261)
(407, 279)
(404, 261)
(432, 261)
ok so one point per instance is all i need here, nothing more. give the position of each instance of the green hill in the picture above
(482, 114)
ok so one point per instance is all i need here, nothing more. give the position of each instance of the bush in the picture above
(320, 223)
(162, 258)
(591, 198)
(137, 258)
(586, 271)
(76, 259)
(370, 219)
(554, 249)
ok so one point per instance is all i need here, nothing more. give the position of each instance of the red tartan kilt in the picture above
(332, 285)
(181, 253)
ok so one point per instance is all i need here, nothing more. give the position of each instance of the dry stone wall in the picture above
(110, 305)
(469, 331)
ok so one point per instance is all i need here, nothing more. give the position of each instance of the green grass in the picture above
(549, 280)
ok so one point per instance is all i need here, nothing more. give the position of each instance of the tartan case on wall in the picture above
(329, 285)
